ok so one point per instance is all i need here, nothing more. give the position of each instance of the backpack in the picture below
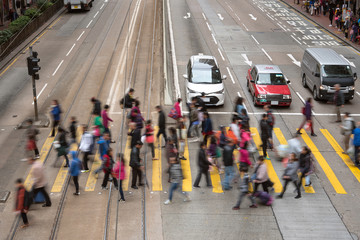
(173, 113)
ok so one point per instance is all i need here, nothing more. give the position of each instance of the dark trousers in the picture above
(295, 184)
(136, 172)
(264, 146)
(198, 177)
(163, 132)
(106, 179)
(46, 195)
(85, 160)
(240, 198)
(121, 191)
(55, 124)
(36, 150)
(265, 186)
(24, 218)
(300, 179)
(188, 132)
(76, 183)
(151, 145)
(357, 156)
(303, 123)
(107, 130)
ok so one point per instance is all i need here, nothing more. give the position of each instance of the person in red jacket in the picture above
(21, 206)
(108, 166)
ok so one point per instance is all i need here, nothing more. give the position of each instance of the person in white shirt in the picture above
(86, 146)
(235, 128)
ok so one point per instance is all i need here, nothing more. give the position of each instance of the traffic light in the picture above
(33, 66)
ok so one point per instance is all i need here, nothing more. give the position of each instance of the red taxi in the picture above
(268, 85)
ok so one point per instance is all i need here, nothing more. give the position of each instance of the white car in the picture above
(203, 76)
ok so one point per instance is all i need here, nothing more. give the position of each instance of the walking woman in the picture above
(290, 175)
(55, 113)
(304, 165)
(307, 112)
(119, 173)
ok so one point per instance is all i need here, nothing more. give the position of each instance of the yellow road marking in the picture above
(156, 165)
(271, 171)
(43, 153)
(127, 162)
(215, 177)
(92, 178)
(185, 165)
(55, 22)
(283, 141)
(323, 164)
(339, 151)
(7, 68)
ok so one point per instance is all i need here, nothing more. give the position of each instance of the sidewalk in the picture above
(322, 21)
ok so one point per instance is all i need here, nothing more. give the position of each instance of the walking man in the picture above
(135, 164)
(74, 170)
(228, 159)
(38, 176)
(105, 118)
(86, 146)
(339, 101)
(271, 122)
(31, 133)
(203, 166)
(135, 134)
(21, 205)
(264, 127)
(96, 106)
(55, 113)
(128, 100)
(161, 124)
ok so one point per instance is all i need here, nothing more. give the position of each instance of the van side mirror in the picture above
(252, 80)
(223, 77)
(355, 76)
(185, 76)
(288, 81)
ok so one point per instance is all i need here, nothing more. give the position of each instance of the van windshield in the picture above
(205, 76)
(338, 71)
(271, 79)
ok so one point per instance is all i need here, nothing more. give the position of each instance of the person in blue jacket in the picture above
(55, 113)
(75, 167)
(356, 142)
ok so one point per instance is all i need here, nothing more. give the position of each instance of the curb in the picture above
(322, 27)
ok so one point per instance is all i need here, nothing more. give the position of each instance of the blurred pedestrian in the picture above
(261, 175)
(74, 170)
(339, 101)
(201, 103)
(39, 180)
(98, 124)
(63, 149)
(171, 153)
(173, 136)
(264, 128)
(136, 115)
(181, 134)
(239, 106)
(223, 139)
(119, 173)
(203, 166)
(135, 164)
(228, 159)
(86, 143)
(271, 123)
(331, 16)
(177, 107)
(244, 189)
(194, 124)
(307, 112)
(244, 156)
(104, 146)
(55, 113)
(105, 121)
(304, 166)
(96, 106)
(108, 166)
(161, 124)
(31, 133)
(72, 129)
(346, 130)
(290, 175)
(207, 127)
(356, 142)
(21, 205)
(149, 133)
(135, 134)
(128, 100)
(234, 126)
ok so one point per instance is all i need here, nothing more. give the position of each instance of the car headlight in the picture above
(219, 92)
(286, 96)
(324, 87)
(261, 96)
(351, 88)
(191, 91)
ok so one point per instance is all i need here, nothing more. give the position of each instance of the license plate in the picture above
(274, 102)
(263, 100)
(75, 6)
(206, 99)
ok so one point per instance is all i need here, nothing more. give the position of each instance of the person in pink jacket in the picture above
(119, 173)
(178, 109)
(244, 156)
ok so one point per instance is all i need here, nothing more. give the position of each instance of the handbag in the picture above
(303, 110)
(173, 113)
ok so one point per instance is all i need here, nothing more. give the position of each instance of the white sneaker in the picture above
(167, 202)
(37, 157)
(23, 160)
(187, 198)
(330, 25)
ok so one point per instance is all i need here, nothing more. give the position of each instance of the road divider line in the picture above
(255, 39)
(283, 141)
(207, 24)
(40, 92)
(301, 98)
(231, 76)
(346, 159)
(237, 17)
(58, 67)
(186, 171)
(80, 36)
(89, 24)
(245, 27)
(281, 27)
(296, 40)
(358, 93)
(266, 54)
(270, 168)
(213, 37)
(96, 14)
(70, 49)
(102, 6)
(156, 164)
(323, 164)
(222, 56)
(204, 16)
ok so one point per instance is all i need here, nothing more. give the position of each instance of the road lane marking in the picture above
(70, 49)
(237, 17)
(55, 22)
(296, 40)
(89, 24)
(156, 164)
(80, 36)
(301, 98)
(208, 26)
(283, 141)
(346, 159)
(127, 153)
(232, 79)
(229, 6)
(7, 68)
(220, 17)
(270, 16)
(297, 63)
(270, 168)
(203, 16)
(266, 54)
(212, 35)
(255, 39)
(186, 171)
(252, 17)
(37, 97)
(222, 56)
(281, 27)
(323, 164)
(96, 14)
(245, 27)
(92, 178)
(187, 15)
(102, 6)
(358, 93)
(58, 67)
(351, 63)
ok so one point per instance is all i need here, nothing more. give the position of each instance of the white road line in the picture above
(106, 1)
(214, 38)
(358, 93)
(231, 76)
(266, 54)
(281, 27)
(220, 17)
(89, 24)
(260, 8)
(252, 17)
(239, 94)
(301, 98)
(70, 50)
(229, 6)
(40, 92)
(58, 67)
(203, 16)
(237, 17)
(255, 39)
(102, 6)
(96, 14)
(297, 63)
(222, 56)
(270, 16)
(208, 26)
(351, 63)
(80, 36)
(245, 27)
(296, 39)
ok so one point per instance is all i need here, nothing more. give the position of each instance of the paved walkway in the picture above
(322, 21)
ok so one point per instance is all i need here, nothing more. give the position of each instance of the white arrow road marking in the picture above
(187, 15)
(266, 54)
(231, 76)
(297, 63)
(221, 17)
(246, 59)
(252, 17)
(357, 93)
(351, 63)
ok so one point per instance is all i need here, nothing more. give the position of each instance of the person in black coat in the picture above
(203, 164)
(161, 123)
(304, 164)
(264, 128)
(135, 164)
(128, 100)
(135, 134)
(97, 106)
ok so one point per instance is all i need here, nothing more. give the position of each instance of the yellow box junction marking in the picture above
(215, 176)
(92, 178)
(156, 164)
(271, 171)
(323, 164)
(43, 154)
(340, 151)
(283, 141)
(127, 153)
(185, 165)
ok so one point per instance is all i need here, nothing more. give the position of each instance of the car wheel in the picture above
(247, 85)
(315, 94)
(304, 81)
